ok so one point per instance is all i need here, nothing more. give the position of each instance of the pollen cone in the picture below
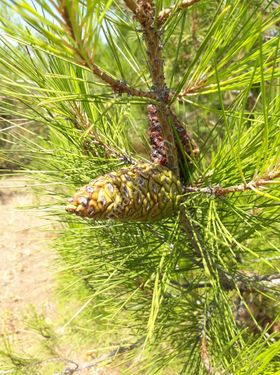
(142, 192)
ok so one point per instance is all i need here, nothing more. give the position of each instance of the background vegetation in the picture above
(191, 295)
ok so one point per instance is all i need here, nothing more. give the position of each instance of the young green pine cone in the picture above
(142, 192)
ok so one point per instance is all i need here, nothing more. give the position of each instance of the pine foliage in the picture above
(196, 292)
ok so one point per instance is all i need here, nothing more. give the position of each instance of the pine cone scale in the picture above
(144, 192)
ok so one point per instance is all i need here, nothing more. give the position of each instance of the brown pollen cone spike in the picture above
(189, 146)
(159, 149)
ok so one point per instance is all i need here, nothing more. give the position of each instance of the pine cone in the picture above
(142, 192)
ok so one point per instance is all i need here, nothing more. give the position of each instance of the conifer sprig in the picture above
(193, 284)
(166, 13)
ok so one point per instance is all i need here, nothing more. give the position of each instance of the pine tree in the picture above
(161, 120)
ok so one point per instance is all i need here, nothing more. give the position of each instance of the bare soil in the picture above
(27, 268)
(26, 276)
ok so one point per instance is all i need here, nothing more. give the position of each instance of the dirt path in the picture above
(25, 259)
(27, 269)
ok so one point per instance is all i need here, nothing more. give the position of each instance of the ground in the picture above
(27, 269)
(26, 275)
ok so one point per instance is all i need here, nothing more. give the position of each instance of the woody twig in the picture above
(106, 357)
(205, 356)
(167, 12)
(144, 13)
(93, 138)
(255, 184)
(117, 86)
(244, 282)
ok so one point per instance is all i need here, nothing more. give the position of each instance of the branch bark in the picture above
(117, 86)
(254, 184)
(244, 282)
(205, 356)
(131, 4)
(86, 366)
(251, 282)
(82, 124)
(167, 12)
(144, 13)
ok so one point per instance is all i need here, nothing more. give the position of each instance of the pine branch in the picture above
(80, 367)
(131, 5)
(274, 278)
(40, 363)
(254, 184)
(118, 87)
(244, 282)
(144, 12)
(205, 356)
(167, 12)
(203, 341)
(152, 254)
(81, 123)
(196, 241)
(86, 366)
(251, 283)
(190, 285)
(192, 88)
